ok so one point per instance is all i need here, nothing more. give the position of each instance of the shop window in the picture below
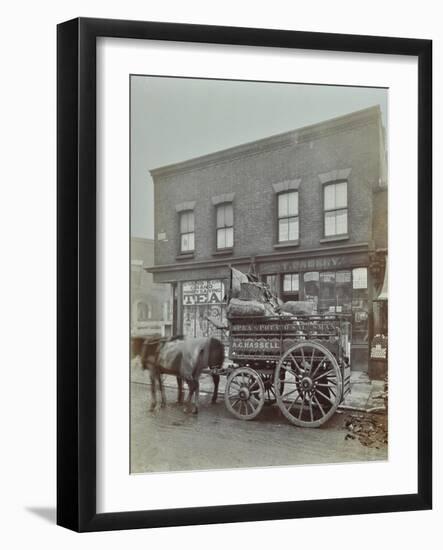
(311, 288)
(272, 282)
(288, 227)
(225, 226)
(187, 235)
(360, 306)
(291, 286)
(336, 208)
(360, 278)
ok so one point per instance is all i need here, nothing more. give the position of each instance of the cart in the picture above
(299, 363)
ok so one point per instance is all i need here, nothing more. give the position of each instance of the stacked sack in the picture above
(252, 299)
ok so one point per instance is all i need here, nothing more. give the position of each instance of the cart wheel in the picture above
(268, 382)
(312, 385)
(244, 393)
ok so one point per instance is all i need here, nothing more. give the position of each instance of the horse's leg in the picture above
(194, 409)
(162, 389)
(216, 379)
(153, 389)
(180, 390)
(190, 394)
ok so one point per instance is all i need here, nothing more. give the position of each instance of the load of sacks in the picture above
(254, 299)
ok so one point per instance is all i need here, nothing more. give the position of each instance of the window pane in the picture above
(329, 223)
(221, 239)
(187, 222)
(220, 216)
(190, 221)
(283, 227)
(341, 222)
(290, 282)
(293, 229)
(229, 236)
(184, 222)
(185, 242)
(329, 191)
(341, 198)
(360, 278)
(293, 204)
(229, 215)
(282, 205)
(191, 241)
(286, 283)
(271, 281)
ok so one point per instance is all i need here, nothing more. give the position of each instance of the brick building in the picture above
(306, 210)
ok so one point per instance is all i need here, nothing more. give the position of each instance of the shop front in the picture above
(340, 283)
(333, 284)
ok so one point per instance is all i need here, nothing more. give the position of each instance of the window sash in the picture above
(336, 196)
(187, 222)
(291, 282)
(225, 237)
(225, 226)
(336, 222)
(288, 229)
(225, 216)
(288, 204)
(187, 242)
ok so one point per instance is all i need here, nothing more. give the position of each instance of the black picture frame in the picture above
(77, 248)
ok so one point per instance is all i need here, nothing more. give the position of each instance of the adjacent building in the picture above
(305, 210)
(151, 304)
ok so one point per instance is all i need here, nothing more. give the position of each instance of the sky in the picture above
(175, 119)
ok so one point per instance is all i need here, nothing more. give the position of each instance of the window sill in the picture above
(223, 252)
(334, 238)
(287, 244)
(185, 256)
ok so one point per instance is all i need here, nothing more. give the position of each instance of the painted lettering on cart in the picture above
(259, 344)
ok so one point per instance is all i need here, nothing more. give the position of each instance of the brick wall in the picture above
(351, 142)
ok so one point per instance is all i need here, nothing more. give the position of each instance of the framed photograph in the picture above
(244, 274)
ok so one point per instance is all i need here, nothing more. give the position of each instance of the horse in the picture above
(185, 359)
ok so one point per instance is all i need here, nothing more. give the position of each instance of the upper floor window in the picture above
(288, 216)
(336, 208)
(225, 226)
(187, 235)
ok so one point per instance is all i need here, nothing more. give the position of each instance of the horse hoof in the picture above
(214, 401)
(194, 410)
(152, 408)
(163, 405)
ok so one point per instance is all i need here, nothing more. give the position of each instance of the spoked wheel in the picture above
(244, 393)
(268, 383)
(312, 385)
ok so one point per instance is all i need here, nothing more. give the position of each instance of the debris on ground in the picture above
(370, 429)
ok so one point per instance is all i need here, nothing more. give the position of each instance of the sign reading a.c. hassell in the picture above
(255, 344)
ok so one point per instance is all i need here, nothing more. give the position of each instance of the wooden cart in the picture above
(301, 363)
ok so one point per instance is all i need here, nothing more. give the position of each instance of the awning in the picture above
(383, 296)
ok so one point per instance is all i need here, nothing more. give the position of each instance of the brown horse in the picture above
(185, 359)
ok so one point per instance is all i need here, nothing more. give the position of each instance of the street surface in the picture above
(170, 440)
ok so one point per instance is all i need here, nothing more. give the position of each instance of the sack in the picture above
(298, 308)
(243, 308)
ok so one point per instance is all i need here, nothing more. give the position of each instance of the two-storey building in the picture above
(306, 210)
